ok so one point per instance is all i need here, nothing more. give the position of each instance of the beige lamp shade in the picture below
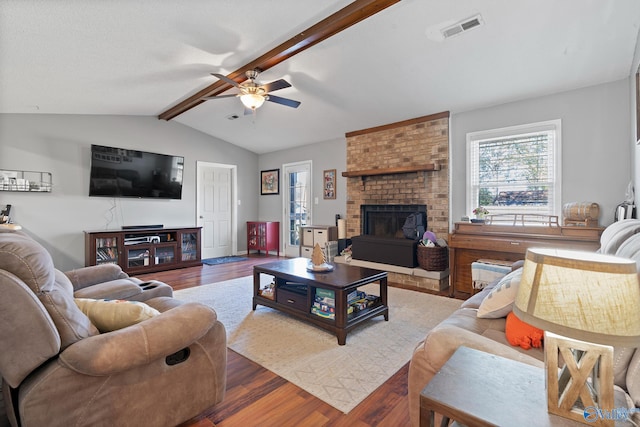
(585, 296)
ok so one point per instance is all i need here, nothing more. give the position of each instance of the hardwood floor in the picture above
(258, 397)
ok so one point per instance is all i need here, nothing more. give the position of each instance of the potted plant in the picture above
(480, 212)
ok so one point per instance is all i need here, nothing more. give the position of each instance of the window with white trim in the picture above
(515, 169)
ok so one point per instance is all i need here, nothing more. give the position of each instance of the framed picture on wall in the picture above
(270, 182)
(329, 184)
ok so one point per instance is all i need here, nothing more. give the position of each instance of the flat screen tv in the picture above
(118, 172)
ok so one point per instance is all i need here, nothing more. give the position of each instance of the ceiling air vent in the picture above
(460, 27)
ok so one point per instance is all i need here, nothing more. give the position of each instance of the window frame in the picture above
(474, 138)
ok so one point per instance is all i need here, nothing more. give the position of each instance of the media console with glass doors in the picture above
(144, 250)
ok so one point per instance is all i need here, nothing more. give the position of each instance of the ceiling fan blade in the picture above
(276, 85)
(226, 79)
(208, 98)
(283, 101)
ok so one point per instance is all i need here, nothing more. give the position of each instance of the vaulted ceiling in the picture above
(142, 57)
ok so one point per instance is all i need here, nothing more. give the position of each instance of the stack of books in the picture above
(324, 304)
(358, 301)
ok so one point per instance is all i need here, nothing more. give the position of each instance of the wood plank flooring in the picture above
(258, 397)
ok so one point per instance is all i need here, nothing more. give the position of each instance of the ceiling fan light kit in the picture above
(252, 100)
(253, 94)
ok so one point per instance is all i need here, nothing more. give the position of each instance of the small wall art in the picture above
(329, 184)
(270, 182)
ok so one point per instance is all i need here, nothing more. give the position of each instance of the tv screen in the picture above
(117, 172)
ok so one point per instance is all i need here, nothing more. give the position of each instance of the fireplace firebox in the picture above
(382, 239)
(387, 220)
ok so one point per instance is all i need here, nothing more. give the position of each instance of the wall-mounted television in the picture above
(119, 172)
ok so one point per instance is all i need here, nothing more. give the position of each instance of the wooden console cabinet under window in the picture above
(143, 250)
(470, 242)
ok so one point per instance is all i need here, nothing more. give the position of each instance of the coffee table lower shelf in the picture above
(343, 280)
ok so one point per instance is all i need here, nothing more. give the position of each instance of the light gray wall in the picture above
(60, 144)
(597, 159)
(597, 164)
(323, 155)
(596, 155)
(633, 139)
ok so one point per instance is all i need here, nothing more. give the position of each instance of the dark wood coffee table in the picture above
(296, 288)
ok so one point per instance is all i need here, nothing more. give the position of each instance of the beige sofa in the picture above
(165, 365)
(464, 328)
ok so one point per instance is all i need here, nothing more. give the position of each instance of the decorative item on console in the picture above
(626, 209)
(4, 215)
(581, 213)
(6, 223)
(480, 212)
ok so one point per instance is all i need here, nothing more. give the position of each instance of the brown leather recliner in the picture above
(58, 370)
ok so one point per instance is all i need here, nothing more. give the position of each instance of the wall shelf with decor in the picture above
(25, 181)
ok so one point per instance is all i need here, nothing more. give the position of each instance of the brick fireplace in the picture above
(404, 163)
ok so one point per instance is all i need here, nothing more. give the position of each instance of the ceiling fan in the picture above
(253, 94)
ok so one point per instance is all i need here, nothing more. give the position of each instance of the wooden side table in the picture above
(481, 389)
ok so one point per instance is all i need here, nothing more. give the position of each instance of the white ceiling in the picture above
(140, 57)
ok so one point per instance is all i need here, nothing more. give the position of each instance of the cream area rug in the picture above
(310, 357)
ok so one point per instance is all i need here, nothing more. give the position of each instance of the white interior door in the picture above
(297, 204)
(216, 214)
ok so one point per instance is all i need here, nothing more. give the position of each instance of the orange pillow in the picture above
(522, 334)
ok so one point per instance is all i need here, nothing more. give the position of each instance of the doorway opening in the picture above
(297, 204)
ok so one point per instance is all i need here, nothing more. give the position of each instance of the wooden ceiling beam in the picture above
(355, 12)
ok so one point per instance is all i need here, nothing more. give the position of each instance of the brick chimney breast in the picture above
(414, 142)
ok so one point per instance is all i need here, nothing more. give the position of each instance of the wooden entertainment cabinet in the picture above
(470, 242)
(143, 250)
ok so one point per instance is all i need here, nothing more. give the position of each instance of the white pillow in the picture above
(110, 315)
(500, 300)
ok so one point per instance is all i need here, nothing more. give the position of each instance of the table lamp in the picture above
(586, 303)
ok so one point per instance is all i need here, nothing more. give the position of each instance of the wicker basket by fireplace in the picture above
(433, 258)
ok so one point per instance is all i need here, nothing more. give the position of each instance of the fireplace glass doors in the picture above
(387, 220)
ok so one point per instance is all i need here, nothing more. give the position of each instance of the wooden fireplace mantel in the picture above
(389, 171)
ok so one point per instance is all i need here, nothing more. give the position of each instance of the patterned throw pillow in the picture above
(500, 300)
